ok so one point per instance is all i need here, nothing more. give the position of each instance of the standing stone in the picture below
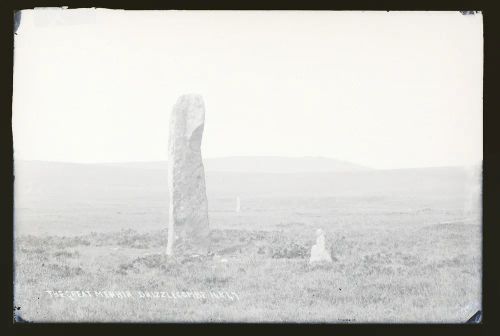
(319, 253)
(188, 228)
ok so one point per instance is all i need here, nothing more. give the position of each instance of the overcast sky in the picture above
(385, 90)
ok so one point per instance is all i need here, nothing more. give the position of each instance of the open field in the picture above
(404, 249)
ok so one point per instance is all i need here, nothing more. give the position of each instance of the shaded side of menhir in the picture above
(188, 228)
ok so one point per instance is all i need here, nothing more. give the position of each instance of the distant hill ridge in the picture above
(248, 164)
(275, 164)
(39, 181)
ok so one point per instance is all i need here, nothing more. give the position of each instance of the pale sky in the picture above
(385, 90)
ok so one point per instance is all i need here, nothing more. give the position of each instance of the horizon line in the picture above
(255, 156)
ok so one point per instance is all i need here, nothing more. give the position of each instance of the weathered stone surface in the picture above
(319, 253)
(188, 228)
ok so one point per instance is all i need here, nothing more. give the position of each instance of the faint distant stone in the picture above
(473, 189)
(319, 252)
(238, 204)
(188, 230)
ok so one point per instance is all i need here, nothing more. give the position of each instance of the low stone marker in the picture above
(188, 229)
(319, 253)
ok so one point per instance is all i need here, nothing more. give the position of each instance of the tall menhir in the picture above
(188, 229)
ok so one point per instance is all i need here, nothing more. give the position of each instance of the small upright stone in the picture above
(319, 252)
(188, 229)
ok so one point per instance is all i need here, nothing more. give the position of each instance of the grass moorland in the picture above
(386, 274)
